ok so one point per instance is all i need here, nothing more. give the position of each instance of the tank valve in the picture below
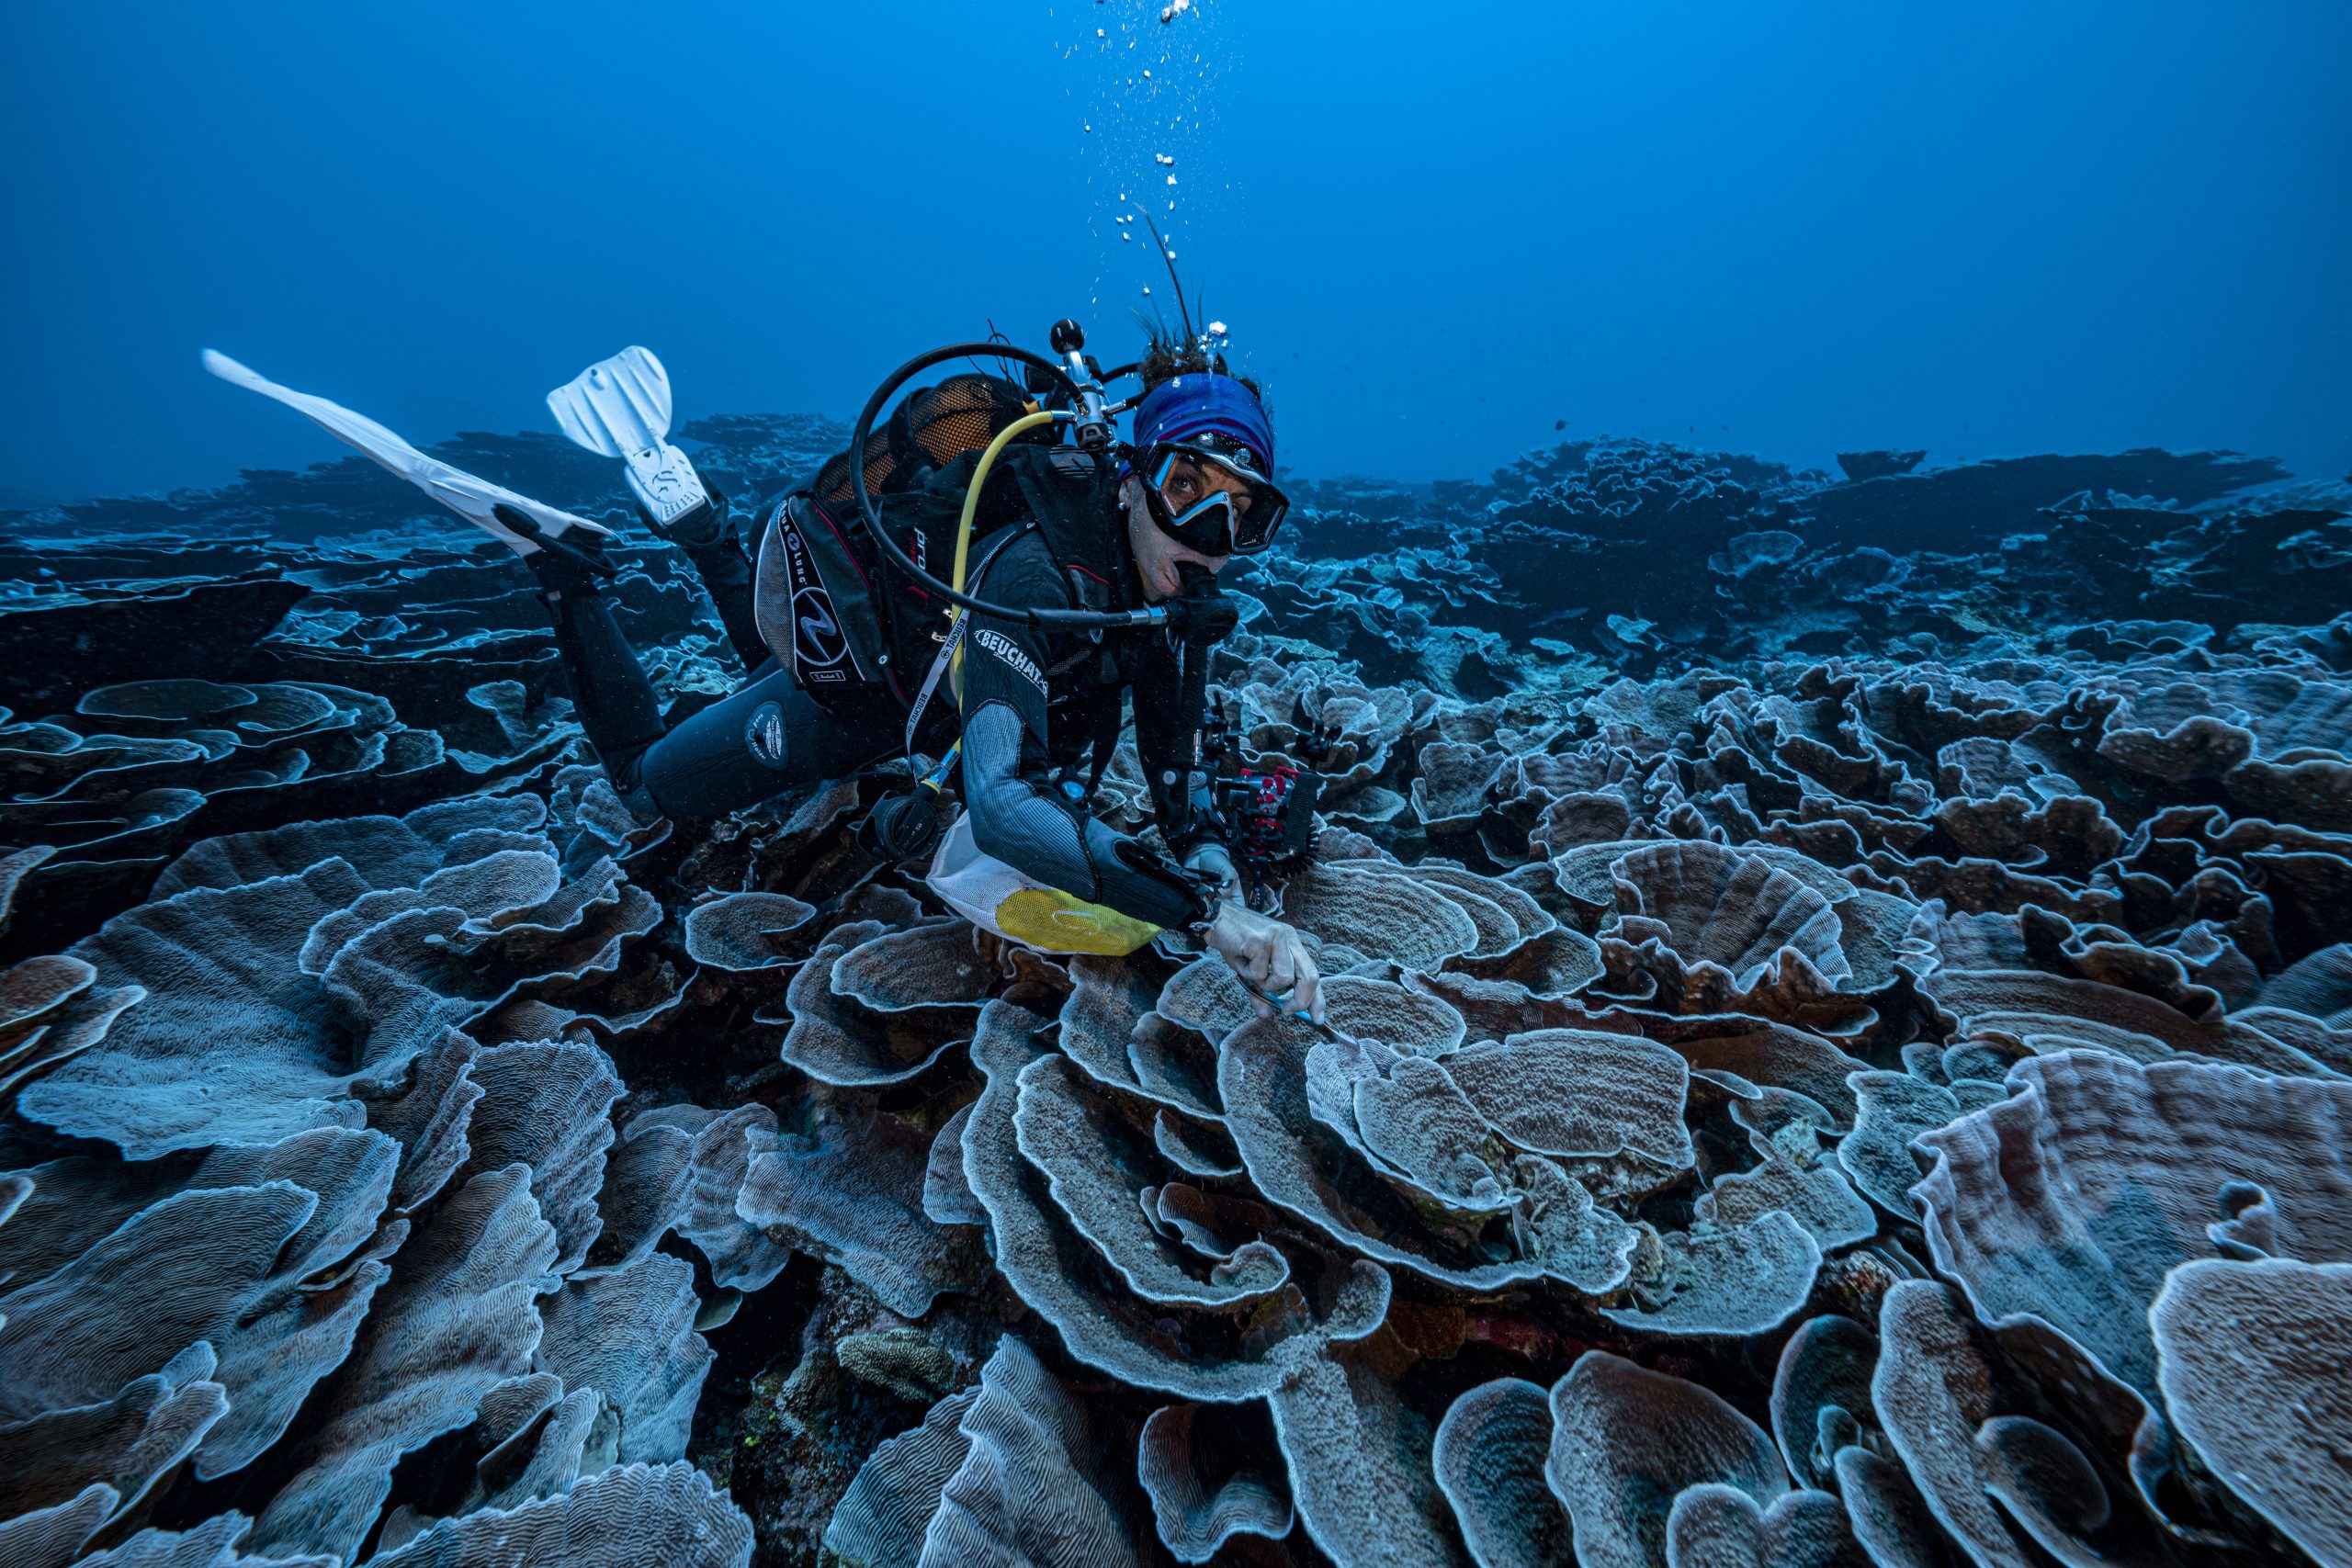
(1068, 340)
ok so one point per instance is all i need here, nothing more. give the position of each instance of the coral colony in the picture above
(1841, 1013)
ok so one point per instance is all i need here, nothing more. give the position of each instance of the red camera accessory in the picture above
(1269, 818)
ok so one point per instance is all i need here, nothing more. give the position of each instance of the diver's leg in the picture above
(615, 701)
(733, 753)
(769, 735)
(712, 542)
(726, 574)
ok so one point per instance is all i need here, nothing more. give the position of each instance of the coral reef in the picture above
(1840, 1053)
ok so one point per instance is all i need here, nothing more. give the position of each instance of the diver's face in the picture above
(1157, 556)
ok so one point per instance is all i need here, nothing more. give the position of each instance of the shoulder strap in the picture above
(1108, 721)
(947, 649)
(1072, 496)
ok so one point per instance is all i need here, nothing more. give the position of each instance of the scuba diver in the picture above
(1091, 575)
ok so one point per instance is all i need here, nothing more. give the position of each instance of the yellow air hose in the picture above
(964, 530)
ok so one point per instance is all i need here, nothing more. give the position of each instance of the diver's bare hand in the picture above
(1268, 955)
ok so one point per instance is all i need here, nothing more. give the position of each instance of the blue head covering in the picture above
(1214, 412)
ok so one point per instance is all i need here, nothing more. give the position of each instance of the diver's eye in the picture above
(1240, 504)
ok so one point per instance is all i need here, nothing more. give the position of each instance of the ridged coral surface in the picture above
(1840, 1006)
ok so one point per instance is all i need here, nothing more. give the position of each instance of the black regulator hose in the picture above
(1058, 378)
(1208, 616)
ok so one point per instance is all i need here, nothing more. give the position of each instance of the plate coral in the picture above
(1839, 1053)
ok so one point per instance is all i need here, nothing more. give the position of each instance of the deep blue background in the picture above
(1785, 228)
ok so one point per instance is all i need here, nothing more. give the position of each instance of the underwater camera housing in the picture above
(1267, 813)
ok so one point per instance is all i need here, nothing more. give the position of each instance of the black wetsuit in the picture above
(1034, 707)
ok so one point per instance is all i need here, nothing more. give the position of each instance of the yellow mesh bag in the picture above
(994, 895)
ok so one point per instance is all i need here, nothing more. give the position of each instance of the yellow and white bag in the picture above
(992, 895)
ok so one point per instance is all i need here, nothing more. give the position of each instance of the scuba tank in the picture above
(824, 600)
(848, 590)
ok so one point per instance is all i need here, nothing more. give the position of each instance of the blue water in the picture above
(1436, 230)
(1816, 624)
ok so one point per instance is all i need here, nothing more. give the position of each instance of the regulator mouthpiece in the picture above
(1208, 614)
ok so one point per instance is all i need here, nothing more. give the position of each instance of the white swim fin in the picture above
(620, 408)
(471, 498)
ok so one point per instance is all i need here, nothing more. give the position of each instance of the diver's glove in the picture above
(569, 562)
(1268, 955)
(1210, 861)
(703, 527)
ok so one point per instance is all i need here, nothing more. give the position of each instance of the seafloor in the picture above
(1842, 1056)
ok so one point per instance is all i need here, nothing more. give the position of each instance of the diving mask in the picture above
(1222, 522)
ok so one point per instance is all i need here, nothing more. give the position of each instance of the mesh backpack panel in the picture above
(933, 426)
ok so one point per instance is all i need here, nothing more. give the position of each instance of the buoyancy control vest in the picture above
(844, 620)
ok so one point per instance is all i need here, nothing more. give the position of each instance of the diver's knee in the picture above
(626, 775)
(730, 755)
(767, 737)
(640, 801)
